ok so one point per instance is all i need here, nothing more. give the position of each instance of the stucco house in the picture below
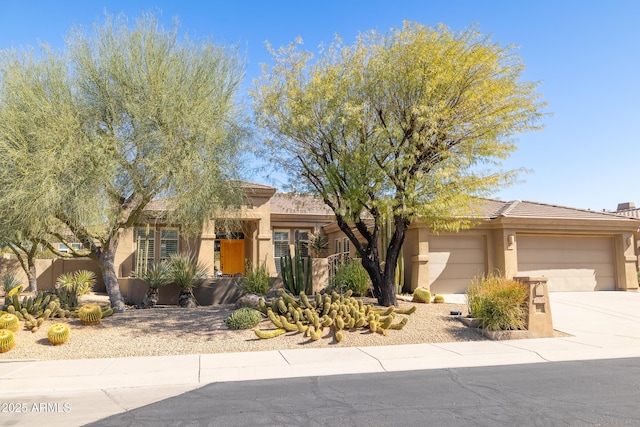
(577, 250)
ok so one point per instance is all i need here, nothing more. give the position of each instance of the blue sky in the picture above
(585, 53)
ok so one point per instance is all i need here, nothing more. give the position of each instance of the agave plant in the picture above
(69, 286)
(12, 285)
(156, 276)
(186, 272)
(85, 280)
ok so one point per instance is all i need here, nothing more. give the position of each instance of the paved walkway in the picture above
(603, 325)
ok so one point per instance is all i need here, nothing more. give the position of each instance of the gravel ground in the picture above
(173, 331)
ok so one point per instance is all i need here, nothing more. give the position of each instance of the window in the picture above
(346, 246)
(146, 245)
(338, 247)
(280, 246)
(67, 249)
(168, 243)
(148, 240)
(302, 240)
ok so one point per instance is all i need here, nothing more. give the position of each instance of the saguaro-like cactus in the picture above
(296, 273)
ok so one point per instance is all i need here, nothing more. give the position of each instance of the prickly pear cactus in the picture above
(9, 321)
(58, 333)
(7, 340)
(90, 314)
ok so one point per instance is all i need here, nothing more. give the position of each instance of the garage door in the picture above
(454, 261)
(570, 263)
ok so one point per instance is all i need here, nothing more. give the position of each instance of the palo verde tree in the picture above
(396, 127)
(126, 114)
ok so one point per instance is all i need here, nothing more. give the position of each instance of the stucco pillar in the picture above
(505, 248)
(265, 245)
(539, 320)
(419, 259)
(628, 277)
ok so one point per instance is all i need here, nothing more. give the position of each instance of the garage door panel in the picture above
(570, 263)
(565, 256)
(454, 261)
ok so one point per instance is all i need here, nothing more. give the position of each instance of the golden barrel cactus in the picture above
(90, 314)
(9, 321)
(58, 333)
(7, 340)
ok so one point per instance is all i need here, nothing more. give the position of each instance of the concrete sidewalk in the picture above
(603, 325)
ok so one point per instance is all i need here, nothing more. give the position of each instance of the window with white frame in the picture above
(280, 246)
(67, 249)
(302, 241)
(168, 243)
(337, 248)
(346, 246)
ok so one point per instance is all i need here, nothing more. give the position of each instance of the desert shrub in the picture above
(351, 276)
(256, 279)
(499, 303)
(186, 271)
(85, 281)
(243, 318)
(69, 286)
(156, 275)
(10, 281)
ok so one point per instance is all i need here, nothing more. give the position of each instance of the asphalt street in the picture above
(576, 393)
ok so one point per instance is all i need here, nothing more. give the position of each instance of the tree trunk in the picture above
(187, 299)
(31, 275)
(107, 265)
(151, 298)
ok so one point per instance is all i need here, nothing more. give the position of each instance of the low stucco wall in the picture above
(215, 291)
(48, 270)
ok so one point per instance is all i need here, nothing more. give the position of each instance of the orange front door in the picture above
(232, 257)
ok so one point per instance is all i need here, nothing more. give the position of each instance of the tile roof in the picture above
(525, 209)
(300, 204)
(629, 213)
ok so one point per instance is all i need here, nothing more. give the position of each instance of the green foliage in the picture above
(10, 281)
(318, 244)
(85, 281)
(256, 279)
(351, 276)
(156, 275)
(243, 318)
(186, 271)
(296, 273)
(402, 122)
(69, 286)
(127, 112)
(499, 303)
